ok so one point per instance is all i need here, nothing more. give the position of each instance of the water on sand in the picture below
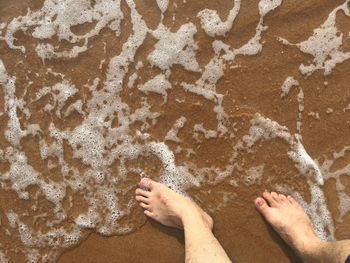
(221, 99)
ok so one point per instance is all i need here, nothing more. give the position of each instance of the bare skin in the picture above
(284, 214)
(291, 222)
(174, 210)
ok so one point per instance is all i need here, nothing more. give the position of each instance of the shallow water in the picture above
(219, 101)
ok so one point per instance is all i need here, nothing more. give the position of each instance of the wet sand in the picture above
(254, 86)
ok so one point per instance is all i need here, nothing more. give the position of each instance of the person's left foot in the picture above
(290, 221)
(166, 206)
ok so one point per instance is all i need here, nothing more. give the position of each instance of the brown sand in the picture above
(253, 87)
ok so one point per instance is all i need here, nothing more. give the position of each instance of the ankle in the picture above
(311, 249)
(190, 215)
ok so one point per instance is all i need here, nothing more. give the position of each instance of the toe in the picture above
(149, 214)
(267, 196)
(275, 196)
(291, 199)
(282, 197)
(139, 191)
(144, 205)
(262, 206)
(210, 221)
(146, 182)
(143, 199)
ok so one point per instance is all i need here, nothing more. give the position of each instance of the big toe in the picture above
(147, 183)
(262, 206)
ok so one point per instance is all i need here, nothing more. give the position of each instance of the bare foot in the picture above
(166, 206)
(290, 221)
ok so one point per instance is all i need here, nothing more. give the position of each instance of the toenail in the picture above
(260, 202)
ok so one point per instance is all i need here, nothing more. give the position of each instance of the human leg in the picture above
(172, 209)
(291, 222)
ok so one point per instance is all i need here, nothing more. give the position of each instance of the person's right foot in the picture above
(290, 221)
(168, 207)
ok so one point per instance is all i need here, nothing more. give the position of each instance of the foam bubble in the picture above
(265, 6)
(99, 145)
(47, 51)
(317, 210)
(159, 84)
(254, 175)
(305, 163)
(347, 108)
(315, 115)
(163, 5)
(212, 24)
(57, 18)
(329, 110)
(206, 85)
(324, 45)
(176, 177)
(207, 133)
(172, 133)
(12, 218)
(328, 172)
(133, 77)
(175, 48)
(21, 175)
(3, 257)
(287, 85)
(60, 92)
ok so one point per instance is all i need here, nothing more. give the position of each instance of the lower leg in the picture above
(334, 252)
(290, 221)
(171, 209)
(201, 245)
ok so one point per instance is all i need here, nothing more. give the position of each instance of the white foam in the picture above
(176, 177)
(172, 133)
(175, 48)
(60, 92)
(159, 84)
(212, 24)
(287, 85)
(76, 106)
(305, 164)
(300, 99)
(266, 6)
(208, 134)
(57, 18)
(163, 5)
(315, 115)
(324, 45)
(206, 84)
(12, 218)
(347, 108)
(317, 210)
(253, 46)
(344, 203)
(98, 145)
(133, 77)
(329, 110)
(328, 172)
(254, 175)
(20, 174)
(14, 132)
(265, 129)
(88, 143)
(3, 257)
(47, 51)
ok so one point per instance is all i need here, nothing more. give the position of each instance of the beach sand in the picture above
(252, 84)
